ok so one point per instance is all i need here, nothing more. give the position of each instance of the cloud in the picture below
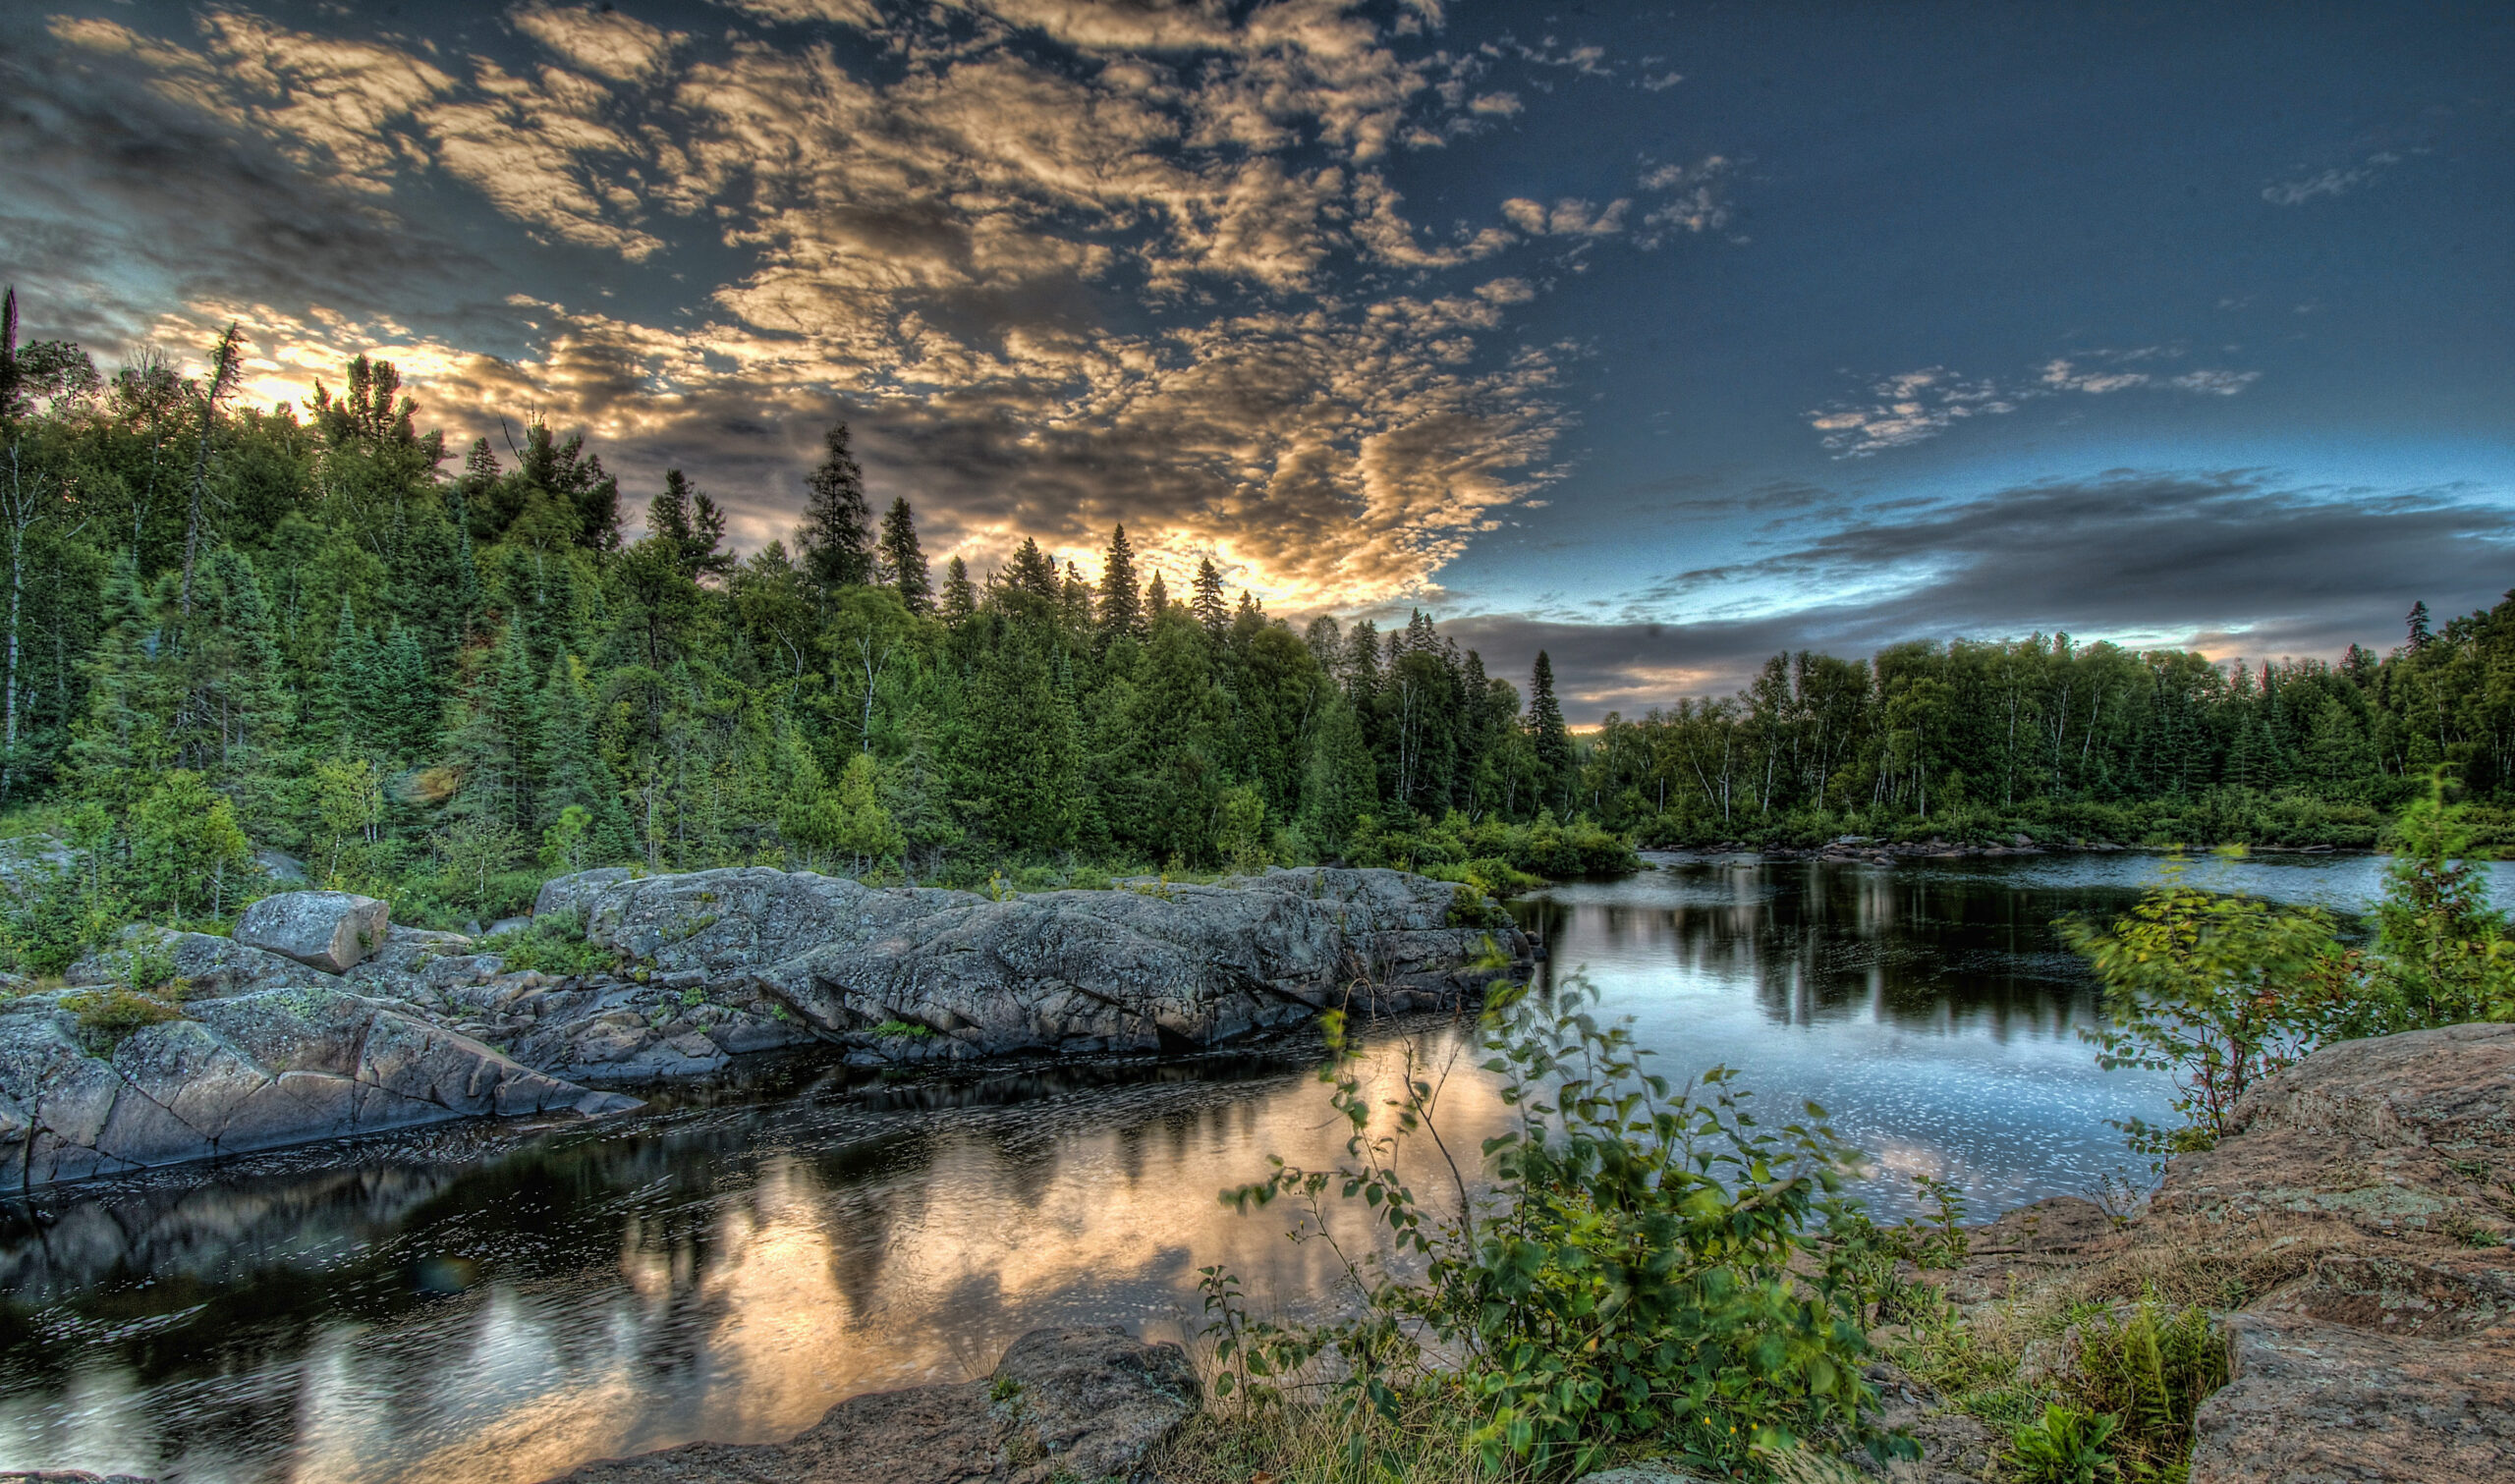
(1061, 262)
(2233, 563)
(1691, 199)
(2334, 182)
(1912, 405)
(1568, 217)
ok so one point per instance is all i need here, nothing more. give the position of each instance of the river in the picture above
(491, 1303)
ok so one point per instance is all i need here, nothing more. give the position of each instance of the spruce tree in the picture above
(1033, 572)
(1207, 604)
(960, 595)
(1156, 600)
(1551, 740)
(903, 565)
(836, 537)
(1121, 606)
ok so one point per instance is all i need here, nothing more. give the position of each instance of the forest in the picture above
(442, 675)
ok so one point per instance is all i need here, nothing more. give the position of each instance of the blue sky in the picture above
(1662, 337)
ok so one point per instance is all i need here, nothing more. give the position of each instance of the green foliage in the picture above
(2149, 1368)
(2220, 990)
(554, 944)
(1505, 856)
(2442, 953)
(2064, 1446)
(189, 856)
(109, 1016)
(1641, 1264)
(898, 1028)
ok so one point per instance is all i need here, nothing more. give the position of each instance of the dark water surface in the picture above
(500, 1304)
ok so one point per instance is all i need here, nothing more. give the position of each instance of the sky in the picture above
(1663, 338)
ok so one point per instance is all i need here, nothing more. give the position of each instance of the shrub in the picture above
(894, 1028)
(109, 1016)
(552, 945)
(2218, 990)
(1643, 1265)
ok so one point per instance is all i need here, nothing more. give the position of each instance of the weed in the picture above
(891, 1029)
(693, 995)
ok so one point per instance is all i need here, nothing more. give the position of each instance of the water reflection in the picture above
(487, 1304)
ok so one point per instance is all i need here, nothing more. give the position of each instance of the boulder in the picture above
(1070, 1403)
(330, 931)
(245, 1071)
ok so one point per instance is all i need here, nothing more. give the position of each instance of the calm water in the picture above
(489, 1303)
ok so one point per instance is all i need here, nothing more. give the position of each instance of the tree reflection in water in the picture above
(483, 1302)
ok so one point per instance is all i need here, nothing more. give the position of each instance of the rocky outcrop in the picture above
(1075, 1403)
(2394, 1356)
(245, 1071)
(205, 964)
(329, 931)
(2362, 1206)
(1144, 968)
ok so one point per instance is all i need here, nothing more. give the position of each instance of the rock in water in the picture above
(326, 930)
(248, 1072)
(1078, 1404)
(1144, 968)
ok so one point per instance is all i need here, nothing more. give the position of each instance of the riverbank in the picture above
(185, 1046)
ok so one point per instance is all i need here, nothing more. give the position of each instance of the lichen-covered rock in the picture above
(330, 931)
(2394, 1134)
(1078, 1404)
(2312, 1402)
(1144, 968)
(205, 964)
(245, 1071)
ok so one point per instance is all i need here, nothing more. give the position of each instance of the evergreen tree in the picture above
(960, 596)
(1340, 781)
(1207, 604)
(1121, 600)
(1551, 738)
(903, 564)
(836, 539)
(1156, 599)
(1031, 572)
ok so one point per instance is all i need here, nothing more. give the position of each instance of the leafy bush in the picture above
(1643, 1264)
(895, 1029)
(2218, 990)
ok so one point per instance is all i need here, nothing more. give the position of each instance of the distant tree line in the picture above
(447, 674)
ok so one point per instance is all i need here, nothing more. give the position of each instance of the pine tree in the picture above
(2420, 636)
(1121, 607)
(1551, 738)
(903, 565)
(1207, 604)
(1156, 599)
(836, 539)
